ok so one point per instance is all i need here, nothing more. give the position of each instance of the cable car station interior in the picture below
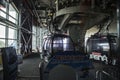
(59, 40)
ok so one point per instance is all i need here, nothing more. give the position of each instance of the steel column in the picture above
(19, 31)
(6, 30)
(118, 25)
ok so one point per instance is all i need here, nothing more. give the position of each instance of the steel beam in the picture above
(77, 9)
(94, 21)
(65, 21)
(69, 10)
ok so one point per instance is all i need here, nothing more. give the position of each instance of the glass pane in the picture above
(2, 43)
(2, 12)
(12, 20)
(12, 34)
(13, 13)
(12, 43)
(34, 42)
(2, 31)
(34, 30)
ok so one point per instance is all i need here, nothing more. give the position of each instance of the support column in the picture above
(19, 31)
(7, 26)
(118, 26)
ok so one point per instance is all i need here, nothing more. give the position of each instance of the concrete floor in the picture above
(29, 68)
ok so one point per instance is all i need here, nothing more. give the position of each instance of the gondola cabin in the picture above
(57, 43)
(59, 50)
(101, 47)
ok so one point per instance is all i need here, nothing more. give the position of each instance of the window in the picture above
(2, 43)
(34, 38)
(37, 37)
(12, 43)
(2, 31)
(12, 33)
(3, 12)
(13, 15)
(8, 33)
(2, 35)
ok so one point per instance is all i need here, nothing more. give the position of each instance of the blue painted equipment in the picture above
(58, 49)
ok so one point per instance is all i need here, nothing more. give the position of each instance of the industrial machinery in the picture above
(57, 43)
(102, 47)
(58, 50)
(102, 50)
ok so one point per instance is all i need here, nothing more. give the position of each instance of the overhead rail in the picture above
(84, 8)
(77, 9)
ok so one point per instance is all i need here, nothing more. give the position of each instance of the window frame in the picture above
(9, 25)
